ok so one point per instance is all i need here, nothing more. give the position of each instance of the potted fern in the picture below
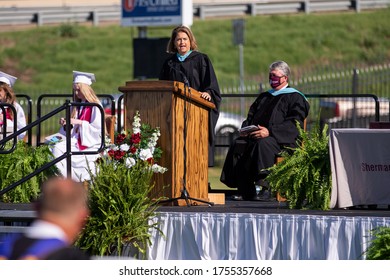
(120, 205)
(304, 176)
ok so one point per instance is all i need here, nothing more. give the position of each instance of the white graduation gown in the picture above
(90, 135)
(20, 120)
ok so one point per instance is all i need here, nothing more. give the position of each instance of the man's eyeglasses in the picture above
(275, 76)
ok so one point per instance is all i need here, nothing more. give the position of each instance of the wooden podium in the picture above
(161, 104)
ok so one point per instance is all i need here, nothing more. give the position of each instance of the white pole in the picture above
(242, 86)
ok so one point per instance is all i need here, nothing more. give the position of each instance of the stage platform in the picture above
(248, 230)
(275, 207)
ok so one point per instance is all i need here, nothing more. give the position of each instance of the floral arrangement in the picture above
(140, 145)
(119, 194)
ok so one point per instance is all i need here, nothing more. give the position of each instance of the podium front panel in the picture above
(161, 106)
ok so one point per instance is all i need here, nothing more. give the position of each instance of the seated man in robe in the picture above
(273, 114)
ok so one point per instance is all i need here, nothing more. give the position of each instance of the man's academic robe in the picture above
(247, 157)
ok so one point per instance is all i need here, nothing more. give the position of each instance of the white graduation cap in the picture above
(8, 79)
(83, 77)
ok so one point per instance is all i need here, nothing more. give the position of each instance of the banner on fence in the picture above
(156, 13)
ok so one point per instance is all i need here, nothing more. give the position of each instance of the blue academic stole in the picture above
(285, 91)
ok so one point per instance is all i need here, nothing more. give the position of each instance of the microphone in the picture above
(185, 79)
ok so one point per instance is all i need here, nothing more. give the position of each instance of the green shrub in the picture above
(21, 162)
(120, 203)
(68, 31)
(120, 209)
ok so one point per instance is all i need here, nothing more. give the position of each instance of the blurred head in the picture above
(279, 72)
(7, 95)
(182, 40)
(7, 79)
(64, 202)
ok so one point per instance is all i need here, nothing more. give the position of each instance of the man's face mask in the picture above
(274, 80)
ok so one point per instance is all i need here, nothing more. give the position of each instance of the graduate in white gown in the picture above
(86, 130)
(7, 95)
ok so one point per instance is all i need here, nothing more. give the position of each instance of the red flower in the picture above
(119, 154)
(120, 138)
(136, 138)
(150, 160)
(111, 153)
(132, 149)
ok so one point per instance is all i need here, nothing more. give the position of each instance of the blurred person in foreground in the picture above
(62, 210)
(86, 132)
(186, 62)
(274, 114)
(7, 95)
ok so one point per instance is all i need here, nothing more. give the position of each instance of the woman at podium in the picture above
(193, 68)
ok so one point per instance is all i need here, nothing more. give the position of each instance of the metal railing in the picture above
(232, 103)
(235, 103)
(4, 129)
(204, 11)
(356, 117)
(29, 102)
(26, 102)
(58, 97)
(68, 153)
(96, 15)
(332, 82)
(48, 15)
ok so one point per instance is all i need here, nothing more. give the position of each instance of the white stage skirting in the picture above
(243, 236)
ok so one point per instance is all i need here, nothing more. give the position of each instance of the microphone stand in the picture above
(184, 192)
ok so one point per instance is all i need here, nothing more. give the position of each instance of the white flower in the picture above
(124, 147)
(104, 153)
(129, 162)
(141, 152)
(153, 139)
(158, 169)
(107, 141)
(136, 130)
(136, 123)
(113, 147)
(144, 154)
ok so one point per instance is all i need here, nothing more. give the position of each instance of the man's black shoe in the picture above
(237, 197)
(264, 195)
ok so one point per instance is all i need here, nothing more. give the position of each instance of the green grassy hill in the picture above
(44, 57)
